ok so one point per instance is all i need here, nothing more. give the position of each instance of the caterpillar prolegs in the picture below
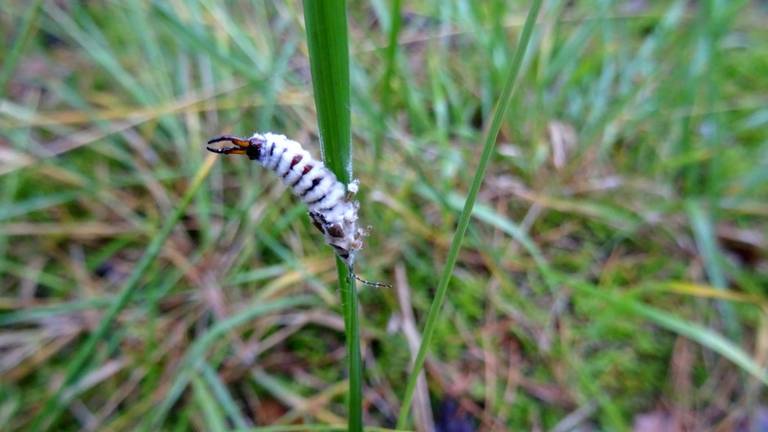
(331, 206)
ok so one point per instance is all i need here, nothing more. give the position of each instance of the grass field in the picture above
(614, 275)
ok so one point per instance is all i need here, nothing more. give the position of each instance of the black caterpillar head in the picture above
(255, 144)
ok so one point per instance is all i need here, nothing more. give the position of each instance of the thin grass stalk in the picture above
(387, 89)
(19, 45)
(492, 132)
(326, 22)
(55, 405)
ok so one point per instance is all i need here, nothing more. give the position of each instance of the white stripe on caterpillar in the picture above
(331, 207)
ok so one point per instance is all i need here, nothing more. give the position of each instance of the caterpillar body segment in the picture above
(331, 204)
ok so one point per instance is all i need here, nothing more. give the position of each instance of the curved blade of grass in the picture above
(326, 22)
(55, 405)
(458, 237)
(212, 415)
(704, 336)
(194, 359)
(223, 397)
(696, 332)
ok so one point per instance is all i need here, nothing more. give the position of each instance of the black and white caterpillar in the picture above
(332, 209)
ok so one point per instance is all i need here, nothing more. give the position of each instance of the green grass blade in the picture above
(54, 406)
(214, 419)
(490, 141)
(389, 76)
(486, 214)
(195, 356)
(696, 332)
(223, 396)
(326, 23)
(47, 311)
(704, 336)
(706, 242)
(25, 34)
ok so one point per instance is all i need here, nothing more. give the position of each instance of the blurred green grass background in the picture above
(614, 274)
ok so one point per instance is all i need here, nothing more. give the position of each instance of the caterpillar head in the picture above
(250, 147)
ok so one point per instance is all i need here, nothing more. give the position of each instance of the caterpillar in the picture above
(332, 209)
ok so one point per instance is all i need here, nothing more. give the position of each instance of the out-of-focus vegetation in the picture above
(613, 277)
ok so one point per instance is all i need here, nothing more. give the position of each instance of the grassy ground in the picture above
(614, 274)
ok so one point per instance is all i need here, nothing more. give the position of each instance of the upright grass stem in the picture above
(326, 22)
(492, 133)
(12, 57)
(387, 88)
